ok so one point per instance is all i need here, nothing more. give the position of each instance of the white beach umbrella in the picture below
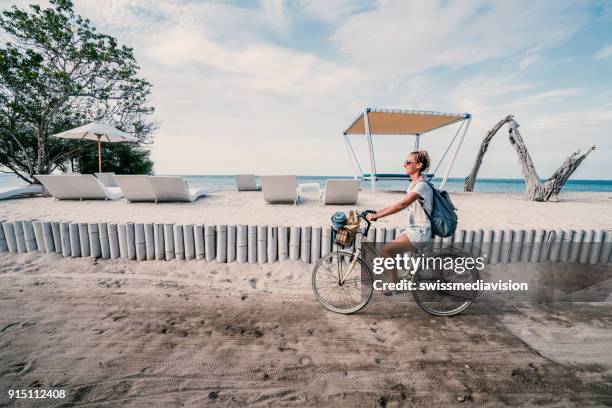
(100, 132)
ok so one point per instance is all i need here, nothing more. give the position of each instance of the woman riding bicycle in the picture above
(417, 233)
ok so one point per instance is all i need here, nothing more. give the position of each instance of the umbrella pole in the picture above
(99, 154)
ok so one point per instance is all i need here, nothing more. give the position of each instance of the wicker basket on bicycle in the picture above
(345, 235)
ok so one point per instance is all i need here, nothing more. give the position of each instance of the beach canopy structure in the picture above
(100, 132)
(402, 123)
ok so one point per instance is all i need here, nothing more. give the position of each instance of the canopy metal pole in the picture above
(468, 117)
(348, 150)
(371, 149)
(99, 154)
(416, 142)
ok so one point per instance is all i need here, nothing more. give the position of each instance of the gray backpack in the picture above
(443, 217)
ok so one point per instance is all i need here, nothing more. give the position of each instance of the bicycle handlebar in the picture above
(363, 215)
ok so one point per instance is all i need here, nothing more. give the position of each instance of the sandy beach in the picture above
(475, 210)
(121, 333)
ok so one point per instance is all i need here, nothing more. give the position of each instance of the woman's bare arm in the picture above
(397, 207)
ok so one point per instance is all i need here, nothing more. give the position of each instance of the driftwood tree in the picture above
(535, 189)
(484, 146)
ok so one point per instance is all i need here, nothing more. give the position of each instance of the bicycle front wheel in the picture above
(335, 294)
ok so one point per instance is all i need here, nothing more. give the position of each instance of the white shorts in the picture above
(419, 236)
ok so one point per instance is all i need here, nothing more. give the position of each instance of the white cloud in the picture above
(330, 10)
(604, 52)
(239, 88)
(276, 14)
(406, 37)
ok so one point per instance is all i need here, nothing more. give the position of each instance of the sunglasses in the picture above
(408, 163)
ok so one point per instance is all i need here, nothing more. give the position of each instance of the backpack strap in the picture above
(421, 199)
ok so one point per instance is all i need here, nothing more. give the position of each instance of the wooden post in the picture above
(242, 244)
(84, 239)
(294, 243)
(38, 234)
(95, 249)
(104, 240)
(517, 246)
(169, 241)
(283, 243)
(315, 245)
(188, 239)
(130, 234)
(566, 243)
(30, 238)
(574, 252)
(596, 247)
(210, 243)
(179, 243)
(160, 248)
(476, 243)
(587, 244)
(198, 240)
(306, 243)
(122, 232)
(262, 244)
(65, 234)
(57, 237)
(3, 245)
(149, 241)
(381, 234)
(139, 242)
(527, 246)
(231, 243)
(606, 248)
(221, 243)
(537, 244)
(9, 235)
(272, 244)
(113, 241)
(326, 243)
(252, 244)
(555, 248)
(75, 241)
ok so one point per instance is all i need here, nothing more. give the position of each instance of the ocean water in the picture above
(453, 184)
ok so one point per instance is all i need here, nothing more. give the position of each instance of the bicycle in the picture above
(343, 282)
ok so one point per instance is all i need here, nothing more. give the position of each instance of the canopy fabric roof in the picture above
(403, 122)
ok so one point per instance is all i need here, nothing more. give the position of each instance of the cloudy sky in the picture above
(269, 86)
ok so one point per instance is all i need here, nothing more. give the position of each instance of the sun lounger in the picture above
(20, 192)
(246, 182)
(340, 191)
(280, 189)
(136, 188)
(108, 179)
(170, 188)
(78, 187)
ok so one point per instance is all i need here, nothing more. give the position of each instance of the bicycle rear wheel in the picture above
(434, 287)
(345, 297)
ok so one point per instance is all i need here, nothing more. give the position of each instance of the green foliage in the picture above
(57, 72)
(120, 158)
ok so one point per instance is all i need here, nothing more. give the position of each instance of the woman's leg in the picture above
(400, 244)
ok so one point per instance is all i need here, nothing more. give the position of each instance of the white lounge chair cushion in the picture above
(341, 191)
(19, 192)
(172, 188)
(108, 179)
(280, 189)
(78, 187)
(136, 187)
(246, 182)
